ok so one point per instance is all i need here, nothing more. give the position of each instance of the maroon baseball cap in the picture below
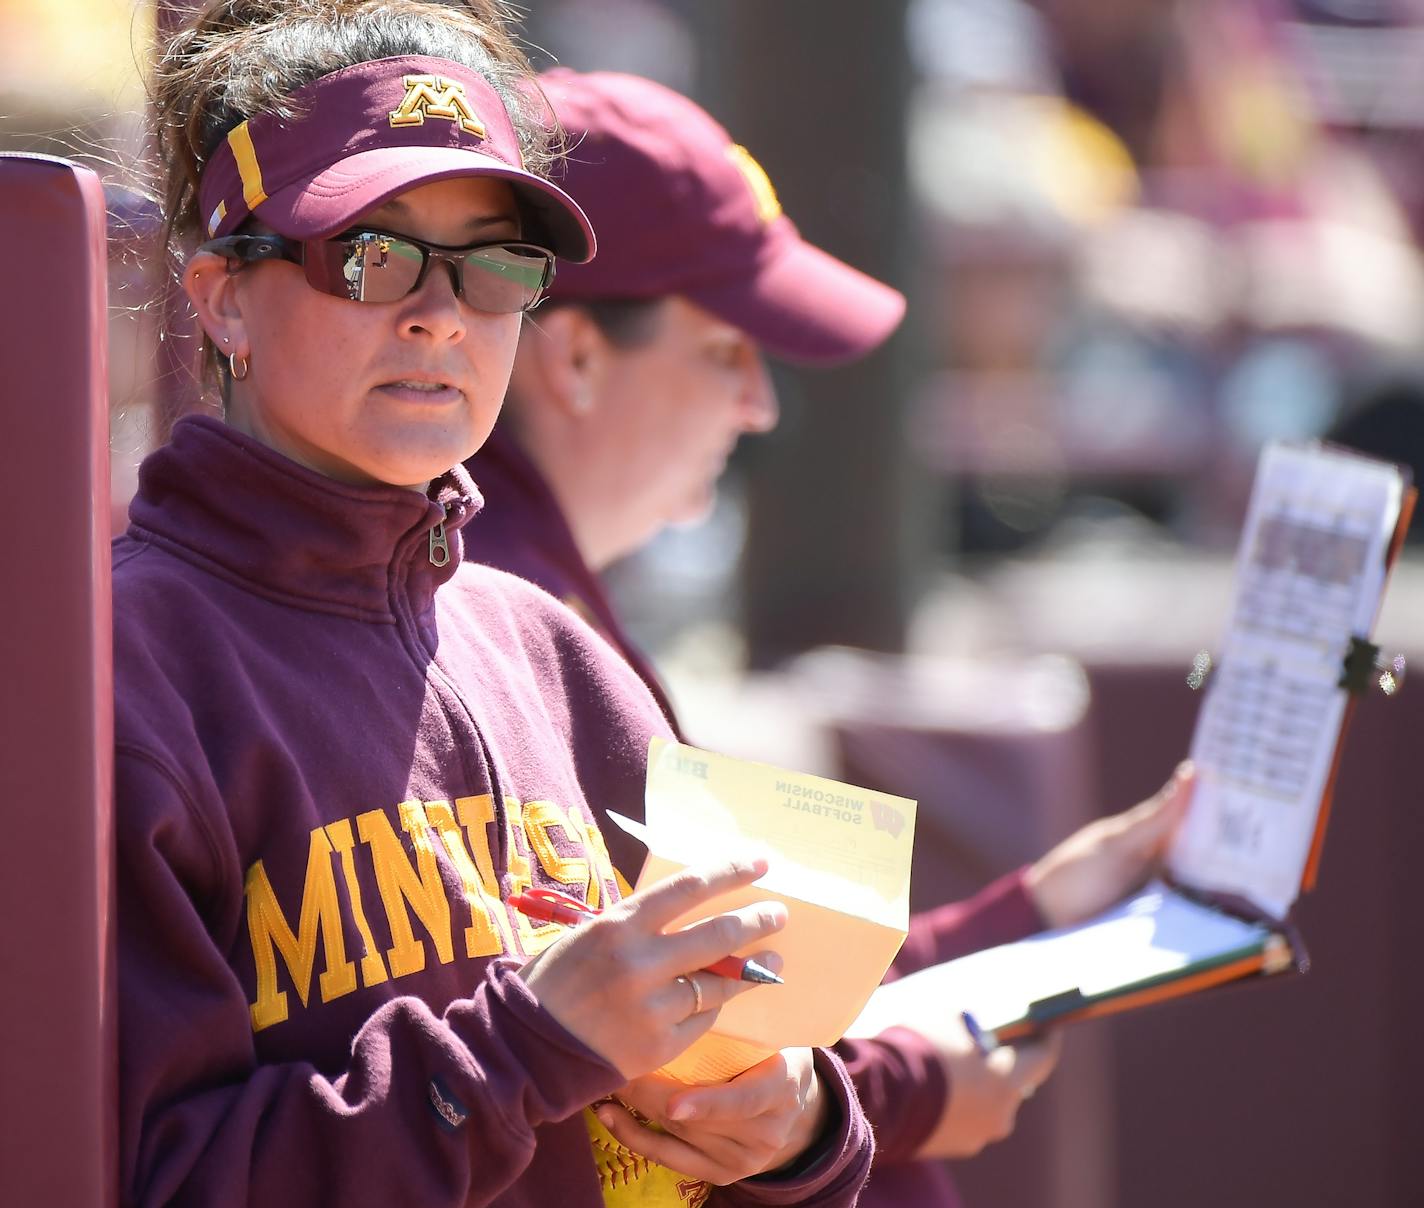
(682, 209)
(363, 134)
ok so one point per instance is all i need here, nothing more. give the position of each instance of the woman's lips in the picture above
(412, 390)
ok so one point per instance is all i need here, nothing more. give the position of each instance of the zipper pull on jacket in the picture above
(439, 545)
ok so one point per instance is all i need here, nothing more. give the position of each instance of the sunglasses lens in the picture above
(505, 278)
(374, 267)
(363, 268)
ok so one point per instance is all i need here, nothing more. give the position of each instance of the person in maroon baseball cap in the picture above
(342, 747)
(688, 212)
(700, 275)
(629, 391)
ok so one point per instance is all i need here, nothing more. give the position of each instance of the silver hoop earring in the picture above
(233, 361)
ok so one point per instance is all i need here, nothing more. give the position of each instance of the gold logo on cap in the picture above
(433, 96)
(767, 204)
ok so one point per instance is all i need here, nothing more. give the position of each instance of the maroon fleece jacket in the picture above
(335, 761)
(898, 1076)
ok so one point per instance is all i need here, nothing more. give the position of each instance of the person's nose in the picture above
(434, 309)
(760, 410)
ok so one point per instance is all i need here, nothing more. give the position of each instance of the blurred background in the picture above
(1140, 239)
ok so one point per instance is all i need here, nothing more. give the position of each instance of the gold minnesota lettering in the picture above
(433, 96)
(406, 862)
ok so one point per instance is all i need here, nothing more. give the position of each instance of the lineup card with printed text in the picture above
(838, 857)
(1310, 575)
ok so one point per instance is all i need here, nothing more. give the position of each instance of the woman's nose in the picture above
(760, 410)
(434, 308)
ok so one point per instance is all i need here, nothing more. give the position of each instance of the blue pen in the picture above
(983, 1040)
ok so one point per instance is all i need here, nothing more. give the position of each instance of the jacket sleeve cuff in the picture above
(1001, 913)
(903, 1086)
(517, 1043)
(834, 1169)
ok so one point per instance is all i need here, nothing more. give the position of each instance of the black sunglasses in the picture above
(376, 266)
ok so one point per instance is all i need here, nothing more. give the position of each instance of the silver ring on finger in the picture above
(690, 980)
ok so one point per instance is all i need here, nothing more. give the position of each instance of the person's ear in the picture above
(570, 355)
(213, 291)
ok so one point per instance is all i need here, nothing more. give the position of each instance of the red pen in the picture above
(551, 906)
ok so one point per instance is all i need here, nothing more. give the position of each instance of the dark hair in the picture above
(228, 60)
(624, 322)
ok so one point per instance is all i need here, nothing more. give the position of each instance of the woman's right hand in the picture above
(622, 987)
(985, 1091)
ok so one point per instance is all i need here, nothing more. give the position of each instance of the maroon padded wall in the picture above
(1298, 1092)
(1288, 1093)
(57, 1112)
(997, 786)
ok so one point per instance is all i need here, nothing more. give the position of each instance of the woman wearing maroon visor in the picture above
(628, 394)
(341, 745)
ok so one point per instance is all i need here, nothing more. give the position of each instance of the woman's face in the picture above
(370, 392)
(672, 408)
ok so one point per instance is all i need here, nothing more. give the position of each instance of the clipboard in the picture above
(1323, 530)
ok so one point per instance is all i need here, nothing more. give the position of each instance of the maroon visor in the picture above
(363, 134)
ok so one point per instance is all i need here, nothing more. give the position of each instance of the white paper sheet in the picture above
(1154, 933)
(1310, 574)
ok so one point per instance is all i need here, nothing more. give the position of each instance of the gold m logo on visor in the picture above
(433, 96)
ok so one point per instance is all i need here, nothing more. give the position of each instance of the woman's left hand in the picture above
(763, 1118)
(1097, 866)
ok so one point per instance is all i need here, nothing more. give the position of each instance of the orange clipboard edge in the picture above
(1317, 843)
(1272, 959)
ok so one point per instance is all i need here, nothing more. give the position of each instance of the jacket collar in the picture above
(524, 530)
(523, 517)
(226, 502)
